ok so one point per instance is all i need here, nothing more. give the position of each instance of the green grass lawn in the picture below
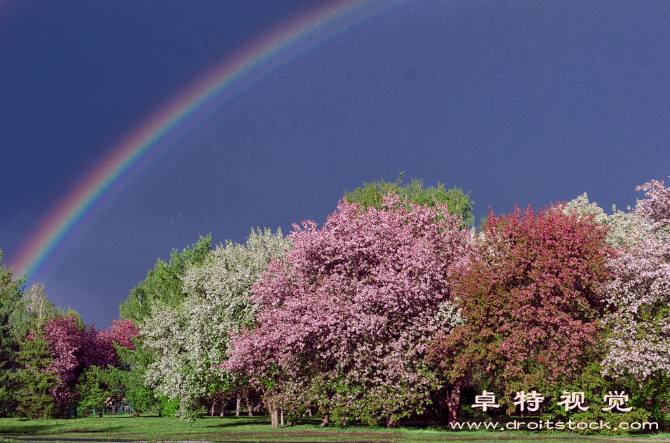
(244, 428)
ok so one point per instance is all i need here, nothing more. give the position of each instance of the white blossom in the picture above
(639, 328)
(194, 337)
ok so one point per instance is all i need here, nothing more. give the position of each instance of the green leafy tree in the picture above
(126, 380)
(163, 283)
(373, 194)
(39, 310)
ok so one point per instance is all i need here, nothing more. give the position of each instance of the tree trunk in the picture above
(211, 412)
(453, 400)
(238, 407)
(274, 416)
(249, 407)
(282, 418)
(390, 423)
(309, 411)
(324, 420)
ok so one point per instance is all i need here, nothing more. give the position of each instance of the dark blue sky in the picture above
(515, 101)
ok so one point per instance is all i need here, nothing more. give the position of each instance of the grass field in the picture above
(257, 429)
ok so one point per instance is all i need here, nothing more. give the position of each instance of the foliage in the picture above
(117, 379)
(597, 415)
(163, 284)
(345, 316)
(390, 309)
(372, 195)
(169, 408)
(38, 309)
(126, 379)
(622, 226)
(10, 288)
(532, 300)
(191, 339)
(11, 314)
(637, 347)
(123, 333)
(36, 381)
(76, 348)
(92, 391)
(639, 344)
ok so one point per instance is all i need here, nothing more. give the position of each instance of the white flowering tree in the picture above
(639, 340)
(194, 337)
(640, 343)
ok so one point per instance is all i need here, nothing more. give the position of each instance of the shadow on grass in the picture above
(32, 428)
(49, 429)
(228, 422)
(265, 420)
(116, 416)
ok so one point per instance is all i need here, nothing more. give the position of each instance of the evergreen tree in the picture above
(92, 390)
(34, 383)
(11, 314)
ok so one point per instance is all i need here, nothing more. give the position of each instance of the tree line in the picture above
(395, 308)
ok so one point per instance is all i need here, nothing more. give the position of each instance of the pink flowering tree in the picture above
(656, 207)
(639, 342)
(74, 348)
(344, 317)
(123, 332)
(65, 337)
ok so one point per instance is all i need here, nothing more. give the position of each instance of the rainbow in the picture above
(225, 82)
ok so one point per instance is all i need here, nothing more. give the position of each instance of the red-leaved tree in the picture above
(344, 318)
(532, 302)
